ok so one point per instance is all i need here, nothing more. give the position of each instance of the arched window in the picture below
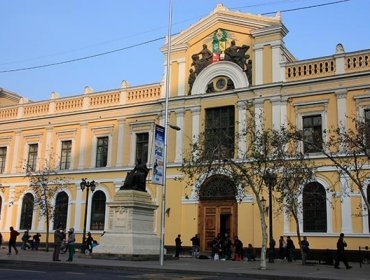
(314, 208)
(218, 187)
(27, 211)
(61, 210)
(97, 211)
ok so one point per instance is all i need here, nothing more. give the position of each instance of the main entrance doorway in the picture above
(217, 209)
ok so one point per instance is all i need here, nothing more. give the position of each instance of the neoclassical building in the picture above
(217, 65)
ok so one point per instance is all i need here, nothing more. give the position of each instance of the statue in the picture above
(191, 80)
(248, 71)
(206, 56)
(136, 178)
(237, 54)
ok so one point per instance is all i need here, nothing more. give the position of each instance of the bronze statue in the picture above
(191, 80)
(136, 178)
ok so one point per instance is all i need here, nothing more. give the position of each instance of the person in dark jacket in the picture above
(178, 243)
(58, 239)
(13, 240)
(195, 242)
(290, 249)
(341, 256)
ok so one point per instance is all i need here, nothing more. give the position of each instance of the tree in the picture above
(213, 153)
(295, 171)
(45, 184)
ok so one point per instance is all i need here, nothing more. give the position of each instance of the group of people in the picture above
(222, 248)
(28, 243)
(62, 241)
(66, 241)
(287, 247)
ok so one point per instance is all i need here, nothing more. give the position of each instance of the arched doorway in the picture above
(218, 211)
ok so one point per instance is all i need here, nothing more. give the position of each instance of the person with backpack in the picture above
(13, 240)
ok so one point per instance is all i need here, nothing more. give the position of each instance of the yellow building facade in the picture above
(217, 65)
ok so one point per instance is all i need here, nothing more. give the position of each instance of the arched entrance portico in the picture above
(218, 211)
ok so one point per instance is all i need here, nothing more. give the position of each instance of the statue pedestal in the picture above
(131, 228)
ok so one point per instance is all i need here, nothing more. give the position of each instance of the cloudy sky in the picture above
(130, 34)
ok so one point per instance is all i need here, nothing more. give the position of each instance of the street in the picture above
(46, 272)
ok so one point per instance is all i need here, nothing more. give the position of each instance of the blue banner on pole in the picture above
(158, 158)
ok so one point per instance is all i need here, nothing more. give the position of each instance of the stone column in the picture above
(195, 111)
(82, 151)
(121, 136)
(179, 135)
(242, 111)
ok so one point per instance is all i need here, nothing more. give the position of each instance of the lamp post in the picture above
(270, 181)
(88, 185)
(166, 125)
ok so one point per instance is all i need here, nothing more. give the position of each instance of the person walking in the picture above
(1, 240)
(195, 242)
(13, 240)
(25, 240)
(58, 239)
(341, 255)
(178, 243)
(282, 247)
(305, 246)
(290, 249)
(89, 243)
(36, 241)
(238, 245)
(71, 244)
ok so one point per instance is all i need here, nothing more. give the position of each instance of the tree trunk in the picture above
(264, 236)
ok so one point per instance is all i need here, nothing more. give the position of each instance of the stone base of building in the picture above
(130, 229)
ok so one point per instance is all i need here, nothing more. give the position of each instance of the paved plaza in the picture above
(276, 270)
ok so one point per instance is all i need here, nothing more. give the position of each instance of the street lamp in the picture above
(88, 185)
(270, 181)
(167, 93)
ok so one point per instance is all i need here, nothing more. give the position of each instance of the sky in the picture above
(42, 32)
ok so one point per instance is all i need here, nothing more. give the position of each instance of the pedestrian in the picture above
(195, 242)
(89, 243)
(178, 243)
(1, 239)
(216, 247)
(58, 239)
(282, 247)
(71, 244)
(272, 249)
(25, 240)
(290, 249)
(251, 253)
(238, 245)
(64, 247)
(226, 245)
(13, 240)
(341, 255)
(36, 241)
(305, 246)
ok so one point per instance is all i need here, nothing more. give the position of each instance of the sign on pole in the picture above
(158, 158)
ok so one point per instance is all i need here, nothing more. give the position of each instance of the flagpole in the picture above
(167, 92)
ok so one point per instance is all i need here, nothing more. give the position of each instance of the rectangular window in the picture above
(2, 159)
(32, 157)
(65, 155)
(142, 146)
(102, 151)
(367, 130)
(312, 134)
(220, 132)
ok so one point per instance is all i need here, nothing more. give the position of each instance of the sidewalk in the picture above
(187, 265)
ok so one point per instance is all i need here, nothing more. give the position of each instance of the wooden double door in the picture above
(216, 217)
